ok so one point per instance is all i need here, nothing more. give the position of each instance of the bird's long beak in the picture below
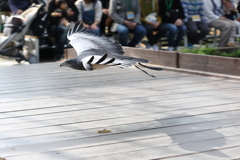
(63, 64)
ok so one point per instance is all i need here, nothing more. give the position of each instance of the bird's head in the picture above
(72, 63)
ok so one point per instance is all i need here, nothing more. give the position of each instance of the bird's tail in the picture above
(148, 67)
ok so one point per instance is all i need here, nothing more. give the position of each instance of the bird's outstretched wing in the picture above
(92, 59)
(81, 39)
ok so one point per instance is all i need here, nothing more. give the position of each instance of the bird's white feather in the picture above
(82, 40)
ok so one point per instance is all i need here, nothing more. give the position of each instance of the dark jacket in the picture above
(15, 5)
(51, 7)
(105, 4)
(174, 13)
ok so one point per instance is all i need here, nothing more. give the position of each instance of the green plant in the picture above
(211, 51)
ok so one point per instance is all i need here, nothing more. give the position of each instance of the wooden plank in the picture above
(37, 101)
(21, 106)
(107, 116)
(161, 148)
(120, 134)
(167, 121)
(221, 154)
(57, 92)
(180, 112)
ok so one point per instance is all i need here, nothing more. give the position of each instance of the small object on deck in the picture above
(104, 131)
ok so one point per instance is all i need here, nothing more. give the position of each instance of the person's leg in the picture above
(172, 31)
(231, 40)
(162, 30)
(139, 32)
(181, 33)
(123, 34)
(150, 35)
(226, 30)
(237, 23)
(97, 31)
(192, 31)
(61, 34)
(102, 23)
(204, 31)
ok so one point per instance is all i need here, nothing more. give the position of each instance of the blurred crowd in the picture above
(154, 19)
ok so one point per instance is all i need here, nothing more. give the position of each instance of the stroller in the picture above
(12, 41)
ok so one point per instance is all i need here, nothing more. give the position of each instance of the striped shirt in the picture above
(193, 7)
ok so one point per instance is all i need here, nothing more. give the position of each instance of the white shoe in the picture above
(155, 47)
(170, 48)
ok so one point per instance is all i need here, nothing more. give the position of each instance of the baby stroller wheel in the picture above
(33, 59)
(19, 60)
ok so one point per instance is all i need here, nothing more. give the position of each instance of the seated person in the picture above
(106, 21)
(195, 21)
(18, 6)
(215, 18)
(126, 15)
(152, 22)
(58, 30)
(62, 6)
(231, 13)
(90, 14)
(4, 7)
(172, 15)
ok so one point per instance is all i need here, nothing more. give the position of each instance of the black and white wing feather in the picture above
(82, 40)
(93, 59)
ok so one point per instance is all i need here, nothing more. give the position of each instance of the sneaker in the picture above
(170, 48)
(232, 45)
(190, 45)
(176, 48)
(155, 47)
(148, 46)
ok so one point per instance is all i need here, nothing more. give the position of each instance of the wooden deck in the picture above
(53, 113)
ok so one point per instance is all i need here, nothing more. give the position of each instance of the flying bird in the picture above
(96, 52)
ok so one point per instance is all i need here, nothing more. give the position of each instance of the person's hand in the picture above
(155, 25)
(105, 11)
(94, 27)
(56, 14)
(19, 11)
(178, 22)
(222, 18)
(132, 25)
(127, 24)
(86, 25)
(70, 13)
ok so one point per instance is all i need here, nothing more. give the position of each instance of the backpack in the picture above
(39, 24)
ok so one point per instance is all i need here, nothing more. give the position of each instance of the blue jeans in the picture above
(60, 32)
(175, 34)
(97, 32)
(139, 32)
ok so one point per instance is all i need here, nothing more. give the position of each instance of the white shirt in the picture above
(87, 7)
(208, 9)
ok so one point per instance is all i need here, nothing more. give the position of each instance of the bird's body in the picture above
(96, 52)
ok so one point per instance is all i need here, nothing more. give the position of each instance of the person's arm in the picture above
(143, 14)
(201, 11)
(180, 8)
(77, 4)
(13, 6)
(159, 19)
(98, 13)
(137, 13)
(113, 12)
(208, 7)
(162, 11)
(75, 10)
(184, 4)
